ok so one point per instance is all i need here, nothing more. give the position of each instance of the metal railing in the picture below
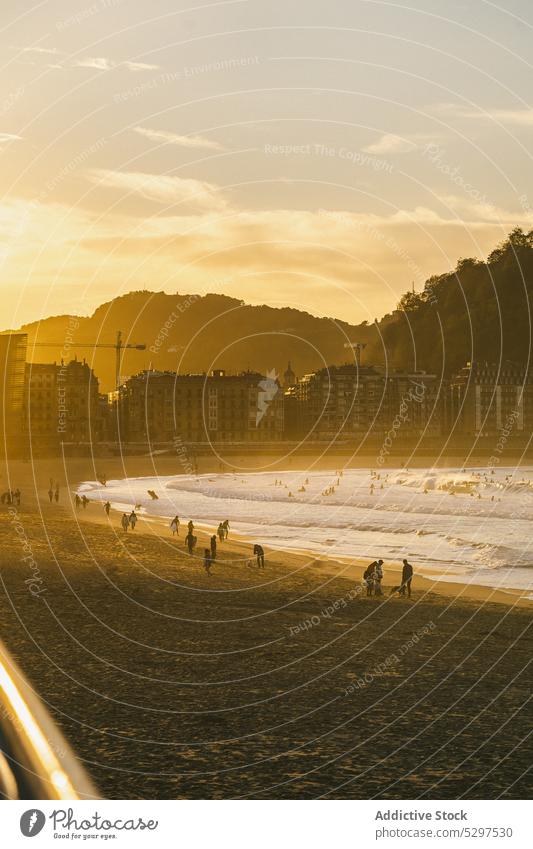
(36, 762)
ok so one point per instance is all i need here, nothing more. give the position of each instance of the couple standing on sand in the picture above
(373, 576)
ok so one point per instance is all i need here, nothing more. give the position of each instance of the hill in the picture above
(479, 311)
(193, 334)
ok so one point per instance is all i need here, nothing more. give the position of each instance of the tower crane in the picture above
(119, 346)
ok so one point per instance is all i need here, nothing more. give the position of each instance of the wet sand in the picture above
(282, 683)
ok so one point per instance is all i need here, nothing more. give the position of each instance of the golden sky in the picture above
(318, 155)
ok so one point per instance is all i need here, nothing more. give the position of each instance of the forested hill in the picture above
(481, 311)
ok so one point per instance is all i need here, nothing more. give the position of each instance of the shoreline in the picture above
(282, 683)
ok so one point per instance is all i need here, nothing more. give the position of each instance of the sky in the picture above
(321, 155)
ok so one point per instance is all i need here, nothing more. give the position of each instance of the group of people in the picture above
(11, 496)
(80, 502)
(373, 576)
(126, 521)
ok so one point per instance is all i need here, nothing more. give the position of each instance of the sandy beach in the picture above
(282, 683)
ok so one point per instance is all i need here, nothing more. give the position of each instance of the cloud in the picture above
(52, 51)
(138, 66)
(162, 188)
(390, 143)
(517, 117)
(101, 63)
(181, 141)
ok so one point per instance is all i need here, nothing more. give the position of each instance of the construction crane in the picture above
(119, 346)
(357, 348)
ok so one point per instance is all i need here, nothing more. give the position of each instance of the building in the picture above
(12, 380)
(62, 406)
(156, 406)
(486, 398)
(350, 400)
(40, 407)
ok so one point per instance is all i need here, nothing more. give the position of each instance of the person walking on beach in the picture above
(221, 532)
(175, 526)
(190, 542)
(260, 554)
(368, 577)
(190, 526)
(57, 493)
(51, 494)
(225, 525)
(207, 560)
(407, 576)
(77, 501)
(125, 522)
(84, 501)
(378, 577)
(133, 519)
(213, 547)
(107, 508)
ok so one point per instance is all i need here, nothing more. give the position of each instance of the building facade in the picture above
(349, 400)
(12, 381)
(486, 398)
(156, 406)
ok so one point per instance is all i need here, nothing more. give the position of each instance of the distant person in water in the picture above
(407, 576)
(213, 542)
(221, 532)
(175, 526)
(107, 508)
(225, 525)
(133, 519)
(125, 522)
(260, 554)
(208, 562)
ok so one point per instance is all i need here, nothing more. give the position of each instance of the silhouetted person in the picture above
(407, 575)
(84, 501)
(77, 501)
(378, 577)
(125, 522)
(260, 554)
(368, 577)
(221, 532)
(190, 526)
(107, 508)
(133, 519)
(225, 525)
(175, 526)
(213, 547)
(207, 561)
(57, 493)
(190, 542)
(51, 495)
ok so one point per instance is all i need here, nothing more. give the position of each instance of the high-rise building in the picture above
(12, 376)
